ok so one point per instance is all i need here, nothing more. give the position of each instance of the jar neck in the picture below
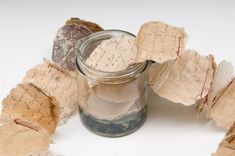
(109, 77)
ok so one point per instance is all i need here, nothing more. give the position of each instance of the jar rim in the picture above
(81, 65)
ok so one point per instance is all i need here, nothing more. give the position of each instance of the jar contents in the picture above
(113, 55)
(115, 104)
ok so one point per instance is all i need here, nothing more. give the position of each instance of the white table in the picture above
(27, 29)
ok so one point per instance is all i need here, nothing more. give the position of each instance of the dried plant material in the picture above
(227, 146)
(90, 25)
(223, 110)
(230, 136)
(108, 110)
(29, 103)
(224, 151)
(23, 139)
(158, 73)
(118, 92)
(159, 42)
(111, 101)
(113, 55)
(66, 44)
(57, 84)
(222, 78)
(187, 80)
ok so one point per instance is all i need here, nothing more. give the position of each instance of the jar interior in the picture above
(111, 103)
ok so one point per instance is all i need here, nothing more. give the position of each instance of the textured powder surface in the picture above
(222, 78)
(23, 139)
(159, 42)
(90, 25)
(227, 146)
(112, 55)
(57, 84)
(66, 44)
(187, 80)
(28, 103)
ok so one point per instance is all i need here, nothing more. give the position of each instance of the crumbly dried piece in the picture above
(107, 110)
(22, 138)
(118, 93)
(227, 146)
(90, 25)
(159, 42)
(112, 55)
(57, 84)
(159, 72)
(224, 151)
(223, 110)
(187, 80)
(66, 44)
(222, 78)
(29, 103)
(111, 101)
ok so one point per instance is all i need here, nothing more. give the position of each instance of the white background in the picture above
(27, 29)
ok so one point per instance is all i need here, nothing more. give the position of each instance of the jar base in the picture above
(114, 128)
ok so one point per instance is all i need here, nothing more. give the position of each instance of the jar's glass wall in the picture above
(111, 108)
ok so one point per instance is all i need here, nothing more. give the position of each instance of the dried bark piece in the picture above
(230, 136)
(29, 103)
(159, 72)
(118, 93)
(187, 80)
(22, 138)
(159, 42)
(222, 78)
(66, 44)
(111, 101)
(57, 84)
(107, 110)
(224, 151)
(223, 110)
(112, 55)
(90, 25)
(227, 146)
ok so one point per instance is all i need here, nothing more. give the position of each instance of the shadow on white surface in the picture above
(168, 113)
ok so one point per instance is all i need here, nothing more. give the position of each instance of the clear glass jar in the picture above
(111, 104)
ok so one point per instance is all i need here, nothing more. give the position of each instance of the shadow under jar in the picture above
(111, 104)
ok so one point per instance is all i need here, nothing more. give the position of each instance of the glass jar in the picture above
(111, 104)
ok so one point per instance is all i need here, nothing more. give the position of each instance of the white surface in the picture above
(27, 29)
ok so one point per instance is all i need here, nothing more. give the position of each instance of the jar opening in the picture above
(90, 43)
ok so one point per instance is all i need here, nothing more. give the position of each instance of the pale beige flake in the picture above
(187, 80)
(159, 72)
(159, 42)
(21, 138)
(57, 84)
(128, 91)
(223, 110)
(28, 103)
(224, 151)
(112, 55)
(222, 78)
(111, 101)
(227, 146)
(107, 110)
